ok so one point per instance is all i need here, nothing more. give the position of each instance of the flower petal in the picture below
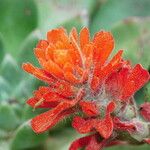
(125, 126)
(115, 82)
(95, 144)
(84, 37)
(105, 126)
(103, 73)
(39, 73)
(135, 81)
(80, 143)
(52, 68)
(89, 108)
(56, 35)
(46, 120)
(83, 126)
(36, 104)
(145, 110)
(65, 89)
(42, 44)
(104, 43)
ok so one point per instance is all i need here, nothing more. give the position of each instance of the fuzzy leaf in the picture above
(113, 11)
(8, 118)
(8, 68)
(55, 13)
(18, 19)
(4, 89)
(26, 138)
(1, 50)
(133, 36)
(27, 48)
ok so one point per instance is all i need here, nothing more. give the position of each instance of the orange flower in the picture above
(81, 78)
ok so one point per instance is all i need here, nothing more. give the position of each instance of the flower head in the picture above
(81, 77)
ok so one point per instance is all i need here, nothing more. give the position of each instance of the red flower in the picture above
(145, 111)
(81, 78)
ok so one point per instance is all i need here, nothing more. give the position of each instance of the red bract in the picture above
(145, 111)
(80, 77)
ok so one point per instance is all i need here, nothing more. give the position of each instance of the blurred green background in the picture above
(24, 22)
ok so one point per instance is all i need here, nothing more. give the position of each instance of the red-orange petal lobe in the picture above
(105, 126)
(52, 68)
(96, 144)
(53, 97)
(84, 76)
(56, 35)
(71, 78)
(135, 81)
(34, 103)
(68, 67)
(61, 56)
(116, 81)
(80, 143)
(74, 34)
(49, 51)
(145, 111)
(39, 53)
(44, 121)
(41, 91)
(89, 108)
(103, 73)
(83, 126)
(104, 43)
(74, 56)
(113, 65)
(42, 44)
(126, 126)
(147, 140)
(88, 50)
(79, 70)
(88, 54)
(76, 47)
(60, 45)
(111, 107)
(84, 37)
(38, 101)
(65, 89)
(39, 73)
(95, 82)
(48, 119)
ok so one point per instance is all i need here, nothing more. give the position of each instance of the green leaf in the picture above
(26, 138)
(4, 145)
(27, 48)
(133, 36)
(9, 120)
(74, 22)
(1, 49)
(147, 92)
(18, 19)
(10, 70)
(14, 83)
(29, 112)
(55, 13)
(3, 134)
(24, 89)
(113, 11)
(4, 89)
(61, 140)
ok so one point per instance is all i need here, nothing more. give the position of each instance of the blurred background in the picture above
(24, 22)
